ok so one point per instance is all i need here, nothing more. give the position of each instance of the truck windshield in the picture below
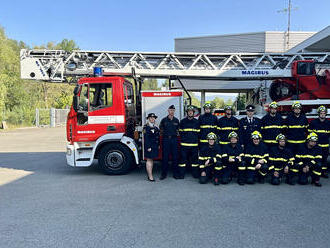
(95, 96)
(100, 96)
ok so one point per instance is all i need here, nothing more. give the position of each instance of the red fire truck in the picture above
(108, 111)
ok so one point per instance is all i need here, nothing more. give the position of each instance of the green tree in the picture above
(19, 98)
(218, 102)
(240, 101)
(150, 84)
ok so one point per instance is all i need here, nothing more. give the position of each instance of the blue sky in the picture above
(146, 25)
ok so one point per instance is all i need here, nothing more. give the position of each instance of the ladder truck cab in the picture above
(101, 124)
(106, 117)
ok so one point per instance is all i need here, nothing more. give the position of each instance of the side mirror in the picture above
(75, 103)
(76, 90)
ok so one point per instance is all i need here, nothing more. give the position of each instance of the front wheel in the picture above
(115, 159)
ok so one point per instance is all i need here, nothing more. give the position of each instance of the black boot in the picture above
(303, 180)
(261, 180)
(250, 180)
(290, 180)
(203, 179)
(316, 183)
(275, 181)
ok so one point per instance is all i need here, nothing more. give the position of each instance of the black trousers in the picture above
(228, 169)
(252, 173)
(315, 171)
(325, 154)
(189, 156)
(170, 148)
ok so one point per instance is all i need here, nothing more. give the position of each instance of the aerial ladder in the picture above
(59, 66)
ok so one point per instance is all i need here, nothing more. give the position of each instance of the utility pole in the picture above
(288, 10)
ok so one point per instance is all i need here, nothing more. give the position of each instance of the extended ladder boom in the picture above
(58, 65)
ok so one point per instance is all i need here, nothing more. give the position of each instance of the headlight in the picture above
(68, 151)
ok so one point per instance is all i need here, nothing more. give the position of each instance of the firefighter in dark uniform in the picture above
(296, 124)
(272, 125)
(321, 126)
(248, 125)
(207, 124)
(256, 158)
(151, 143)
(189, 133)
(210, 160)
(232, 159)
(280, 160)
(226, 125)
(309, 158)
(169, 127)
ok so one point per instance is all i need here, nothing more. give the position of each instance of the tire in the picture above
(115, 159)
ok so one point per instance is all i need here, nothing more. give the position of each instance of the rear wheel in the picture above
(115, 159)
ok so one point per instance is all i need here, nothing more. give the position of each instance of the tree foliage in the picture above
(19, 98)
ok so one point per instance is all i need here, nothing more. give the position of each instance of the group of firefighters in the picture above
(251, 148)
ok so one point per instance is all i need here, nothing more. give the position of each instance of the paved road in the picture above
(44, 203)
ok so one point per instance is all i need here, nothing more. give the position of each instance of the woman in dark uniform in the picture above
(151, 143)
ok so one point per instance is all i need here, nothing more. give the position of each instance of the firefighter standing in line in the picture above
(308, 158)
(248, 125)
(281, 160)
(207, 123)
(297, 125)
(232, 159)
(226, 125)
(256, 155)
(321, 126)
(189, 133)
(151, 143)
(210, 160)
(272, 124)
(169, 127)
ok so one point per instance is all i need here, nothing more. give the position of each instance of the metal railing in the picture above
(51, 117)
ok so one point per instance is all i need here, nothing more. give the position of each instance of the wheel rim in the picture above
(114, 160)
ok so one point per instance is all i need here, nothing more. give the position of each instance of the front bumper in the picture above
(70, 153)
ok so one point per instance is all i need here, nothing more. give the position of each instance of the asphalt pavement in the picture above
(45, 203)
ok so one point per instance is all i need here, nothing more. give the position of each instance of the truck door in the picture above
(129, 109)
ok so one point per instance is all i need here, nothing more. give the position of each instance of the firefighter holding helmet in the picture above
(189, 133)
(321, 126)
(207, 123)
(210, 160)
(256, 158)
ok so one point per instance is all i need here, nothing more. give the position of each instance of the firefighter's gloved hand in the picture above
(258, 166)
(231, 160)
(149, 149)
(261, 161)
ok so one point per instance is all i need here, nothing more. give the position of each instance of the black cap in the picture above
(171, 107)
(250, 107)
(152, 115)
